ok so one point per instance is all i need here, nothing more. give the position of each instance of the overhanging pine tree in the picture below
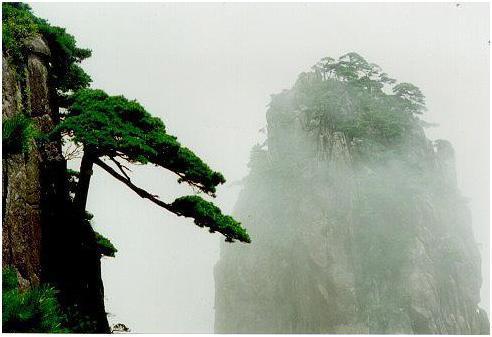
(108, 128)
(119, 130)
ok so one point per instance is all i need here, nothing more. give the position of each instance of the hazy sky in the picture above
(208, 70)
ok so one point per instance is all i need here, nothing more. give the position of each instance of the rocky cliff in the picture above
(41, 239)
(356, 228)
(22, 186)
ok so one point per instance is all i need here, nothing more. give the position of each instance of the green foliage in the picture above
(355, 97)
(19, 25)
(106, 126)
(32, 310)
(104, 246)
(378, 121)
(353, 69)
(113, 126)
(18, 134)
(65, 57)
(411, 97)
(73, 173)
(206, 214)
(9, 279)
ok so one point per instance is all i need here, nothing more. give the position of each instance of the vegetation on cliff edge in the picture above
(33, 309)
(18, 134)
(20, 26)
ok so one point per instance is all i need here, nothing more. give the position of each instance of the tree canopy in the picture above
(109, 127)
(118, 129)
(108, 131)
(114, 127)
(355, 97)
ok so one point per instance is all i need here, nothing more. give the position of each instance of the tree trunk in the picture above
(80, 199)
(79, 269)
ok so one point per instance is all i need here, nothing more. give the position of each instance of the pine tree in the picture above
(120, 130)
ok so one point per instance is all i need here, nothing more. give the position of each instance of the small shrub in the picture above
(31, 310)
(104, 246)
(18, 133)
(18, 26)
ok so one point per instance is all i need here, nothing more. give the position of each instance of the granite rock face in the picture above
(26, 194)
(344, 247)
(40, 237)
(21, 194)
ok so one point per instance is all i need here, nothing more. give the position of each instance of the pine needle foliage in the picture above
(206, 214)
(9, 279)
(18, 134)
(114, 126)
(104, 246)
(65, 58)
(32, 310)
(117, 128)
(354, 97)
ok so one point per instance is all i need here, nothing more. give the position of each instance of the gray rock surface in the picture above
(344, 248)
(21, 194)
(41, 238)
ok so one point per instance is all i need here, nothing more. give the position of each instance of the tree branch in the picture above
(141, 192)
(193, 185)
(182, 176)
(120, 167)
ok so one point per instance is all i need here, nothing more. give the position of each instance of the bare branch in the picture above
(141, 192)
(182, 177)
(120, 167)
(195, 186)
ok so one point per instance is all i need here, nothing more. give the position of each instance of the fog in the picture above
(208, 71)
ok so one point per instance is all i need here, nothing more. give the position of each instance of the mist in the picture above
(208, 71)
